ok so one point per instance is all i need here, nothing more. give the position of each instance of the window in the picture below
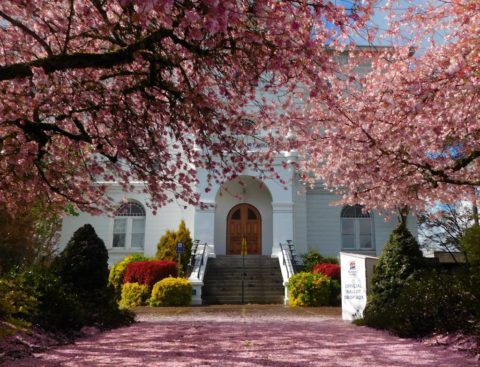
(357, 229)
(129, 226)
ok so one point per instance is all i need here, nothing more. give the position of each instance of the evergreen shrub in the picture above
(59, 306)
(102, 310)
(330, 270)
(308, 289)
(117, 272)
(470, 244)
(171, 292)
(433, 301)
(166, 247)
(399, 263)
(70, 294)
(149, 272)
(83, 268)
(84, 261)
(134, 294)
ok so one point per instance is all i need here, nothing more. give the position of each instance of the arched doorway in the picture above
(244, 221)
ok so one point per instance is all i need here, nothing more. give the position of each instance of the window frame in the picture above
(357, 218)
(128, 226)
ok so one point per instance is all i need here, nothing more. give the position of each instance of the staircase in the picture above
(262, 280)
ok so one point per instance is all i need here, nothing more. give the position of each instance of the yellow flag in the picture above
(244, 246)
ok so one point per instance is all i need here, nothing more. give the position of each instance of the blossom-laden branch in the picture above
(407, 131)
(153, 91)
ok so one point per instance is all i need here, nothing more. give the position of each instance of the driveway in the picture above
(246, 336)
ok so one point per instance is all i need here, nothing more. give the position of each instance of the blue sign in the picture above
(180, 248)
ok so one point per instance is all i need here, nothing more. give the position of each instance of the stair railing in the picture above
(297, 262)
(198, 261)
(199, 266)
(203, 261)
(286, 262)
(191, 261)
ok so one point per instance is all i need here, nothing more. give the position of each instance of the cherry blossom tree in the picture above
(94, 91)
(408, 131)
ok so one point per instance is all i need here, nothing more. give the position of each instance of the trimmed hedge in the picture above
(134, 294)
(171, 292)
(330, 270)
(308, 289)
(149, 272)
(117, 272)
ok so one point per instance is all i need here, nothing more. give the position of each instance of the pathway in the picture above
(246, 336)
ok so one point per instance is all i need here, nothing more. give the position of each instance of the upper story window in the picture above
(357, 228)
(129, 226)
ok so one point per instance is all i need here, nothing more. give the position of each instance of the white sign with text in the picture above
(356, 274)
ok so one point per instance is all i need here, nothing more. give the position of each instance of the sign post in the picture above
(180, 250)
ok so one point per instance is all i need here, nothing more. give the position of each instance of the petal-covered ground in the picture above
(246, 336)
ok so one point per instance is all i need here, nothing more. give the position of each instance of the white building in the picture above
(266, 213)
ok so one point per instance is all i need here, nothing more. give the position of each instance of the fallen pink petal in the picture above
(247, 336)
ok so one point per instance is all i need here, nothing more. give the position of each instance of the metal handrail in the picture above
(202, 260)
(285, 262)
(296, 262)
(193, 254)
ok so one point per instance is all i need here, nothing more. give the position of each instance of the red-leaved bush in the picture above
(330, 270)
(149, 272)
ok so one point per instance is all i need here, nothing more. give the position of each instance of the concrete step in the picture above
(238, 300)
(262, 277)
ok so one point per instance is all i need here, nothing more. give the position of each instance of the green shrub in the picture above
(470, 244)
(117, 272)
(312, 257)
(83, 262)
(83, 267)
(399, 260)
(166, 247)
(134, 294)
(307, 289)
(102, 310)
(433, 301)
(19, 303)
(59, 307)
(398, 264)
(171, 292)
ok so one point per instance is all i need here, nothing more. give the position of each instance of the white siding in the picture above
(300, 216)
(324, 224)
(167, 217)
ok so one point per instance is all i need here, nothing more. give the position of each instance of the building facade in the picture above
(264, 212)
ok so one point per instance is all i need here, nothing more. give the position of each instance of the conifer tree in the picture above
(166, 248)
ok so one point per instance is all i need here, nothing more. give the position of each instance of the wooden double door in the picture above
(244, 221)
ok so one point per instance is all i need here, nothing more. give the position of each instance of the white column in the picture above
(282, 224)
(205, 225)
